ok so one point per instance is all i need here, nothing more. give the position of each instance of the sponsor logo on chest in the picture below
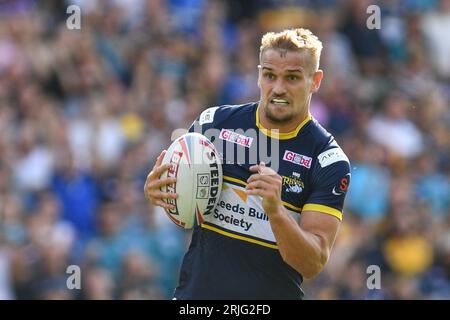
(240, 139)
(297, 159)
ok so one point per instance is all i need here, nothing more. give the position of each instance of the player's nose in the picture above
(278, 88)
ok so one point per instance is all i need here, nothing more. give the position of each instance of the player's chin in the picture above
(277, 112)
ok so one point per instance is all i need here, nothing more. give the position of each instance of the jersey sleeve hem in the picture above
(324, 209)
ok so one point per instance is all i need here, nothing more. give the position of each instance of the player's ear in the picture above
(317, 78)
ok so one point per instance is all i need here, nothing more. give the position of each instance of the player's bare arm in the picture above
(305, 246)
(154, 183)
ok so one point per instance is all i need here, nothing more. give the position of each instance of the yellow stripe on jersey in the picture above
(323, 209)
(238, 181)
(292, 207)
(239, 237)
(280, 135)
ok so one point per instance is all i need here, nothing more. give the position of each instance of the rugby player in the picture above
(272, 227)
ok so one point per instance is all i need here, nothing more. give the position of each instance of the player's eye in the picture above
(292, 77)
(269, 76)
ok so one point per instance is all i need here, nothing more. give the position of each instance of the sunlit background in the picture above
(84, 114)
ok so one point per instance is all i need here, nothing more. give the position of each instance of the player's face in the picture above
(286, 81)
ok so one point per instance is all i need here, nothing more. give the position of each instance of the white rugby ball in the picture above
(196, 164)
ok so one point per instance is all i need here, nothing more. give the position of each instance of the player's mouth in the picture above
(279, 102)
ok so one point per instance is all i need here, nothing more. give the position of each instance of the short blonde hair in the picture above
(293, 40)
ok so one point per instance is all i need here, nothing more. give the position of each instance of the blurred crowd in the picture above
(84, 114)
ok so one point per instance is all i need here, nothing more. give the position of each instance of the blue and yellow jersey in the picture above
(233, 254)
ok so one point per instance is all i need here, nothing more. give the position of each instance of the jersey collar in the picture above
(281, 135)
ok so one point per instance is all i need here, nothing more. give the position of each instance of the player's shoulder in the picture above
(318, 134)
(217, 114)
(327, 150)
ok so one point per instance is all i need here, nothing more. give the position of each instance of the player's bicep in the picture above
(322, 225)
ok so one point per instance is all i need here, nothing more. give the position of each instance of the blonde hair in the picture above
(293, 40)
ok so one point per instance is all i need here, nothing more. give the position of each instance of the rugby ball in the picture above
(196, 164)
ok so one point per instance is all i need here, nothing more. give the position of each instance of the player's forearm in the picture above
(302, 250)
